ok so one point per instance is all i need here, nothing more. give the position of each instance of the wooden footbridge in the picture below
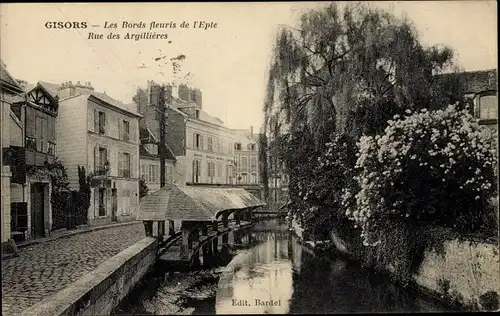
(205, 214)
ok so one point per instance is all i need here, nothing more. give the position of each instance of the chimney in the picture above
(251, 132)
(175, 92)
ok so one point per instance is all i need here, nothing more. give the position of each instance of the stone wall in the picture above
(101, 290)
(468, 273)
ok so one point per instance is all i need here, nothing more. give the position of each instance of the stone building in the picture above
(12, 138)
(37, 111)
(201, 144)
(101, 134)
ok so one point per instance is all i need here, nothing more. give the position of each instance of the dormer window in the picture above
(487, 106)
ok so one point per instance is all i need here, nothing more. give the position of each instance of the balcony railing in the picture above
(124, 173)
(15, 157)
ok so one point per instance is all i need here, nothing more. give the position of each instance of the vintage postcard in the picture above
(249, 158)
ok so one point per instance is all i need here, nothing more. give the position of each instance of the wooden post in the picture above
(148, 226)
(215, 245)
(237, 216)
(161, 230)
(225, 219)
(185, 242)
(171, 229)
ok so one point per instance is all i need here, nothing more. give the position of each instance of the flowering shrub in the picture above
(427, 168)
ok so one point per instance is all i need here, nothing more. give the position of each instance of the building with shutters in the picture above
(101, 134)
(201, 144)
(12, 147)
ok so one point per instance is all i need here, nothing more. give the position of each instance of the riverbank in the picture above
(465, 277)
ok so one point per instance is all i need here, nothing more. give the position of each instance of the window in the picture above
(124, 165)
(41, 134)
(101, 162)
(198, 141)
(237, 146)
(30, 143)
(253, 163)
(251, 147)
(196, 171)
(170, 174)
(143, 173)
(211, 169)
(52, 148)
(219, 170)
(244, 178)
(254, 178)
(99, 122)
(197, 114)
(125, 130)
(102, 202)
(488, 107)
(244, 163)
(210, 143)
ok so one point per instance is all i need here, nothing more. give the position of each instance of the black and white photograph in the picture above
(203, 158)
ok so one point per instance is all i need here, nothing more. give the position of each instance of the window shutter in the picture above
(120, 129)
(194, 140)
(201, 142)
(194, 170)
(95, 158)
(105, 124)
(96, 121)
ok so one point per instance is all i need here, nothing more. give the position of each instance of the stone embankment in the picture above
(467, 273)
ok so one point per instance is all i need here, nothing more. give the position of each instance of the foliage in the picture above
(429, 169)
(85, 191)
(143, 188)
(344, 72)
(263, 165)
(56, 173)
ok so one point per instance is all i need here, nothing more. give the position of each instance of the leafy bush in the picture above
(143, 188)
(428, 168)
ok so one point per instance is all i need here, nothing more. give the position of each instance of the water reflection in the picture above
(258, 280)
(267, 271)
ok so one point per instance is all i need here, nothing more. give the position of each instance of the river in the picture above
(268, 271)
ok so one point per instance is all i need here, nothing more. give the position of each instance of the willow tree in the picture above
(344, 71)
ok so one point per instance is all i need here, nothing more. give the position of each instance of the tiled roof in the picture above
(51, 88)
(177, 202)
(145, 133)
(476, 81)
(7, 80)
(106, 98)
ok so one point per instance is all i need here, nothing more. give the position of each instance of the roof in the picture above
(176, 202)
(146, 134)
(51, 88)
(106, 98)
(7, 80)
(476, 81)
(144, 153)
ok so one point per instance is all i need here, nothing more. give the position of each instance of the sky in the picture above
(228, 63)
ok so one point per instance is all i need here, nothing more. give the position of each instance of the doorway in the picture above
(114, 205)
(37, 210)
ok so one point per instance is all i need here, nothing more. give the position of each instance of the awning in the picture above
(175, 202)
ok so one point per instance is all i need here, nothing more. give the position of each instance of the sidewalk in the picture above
(48, 265)
(64, 234)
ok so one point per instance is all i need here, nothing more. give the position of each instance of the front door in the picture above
(37, 210)
(114, 205)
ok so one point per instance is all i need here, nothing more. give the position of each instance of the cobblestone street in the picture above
(43, 269)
